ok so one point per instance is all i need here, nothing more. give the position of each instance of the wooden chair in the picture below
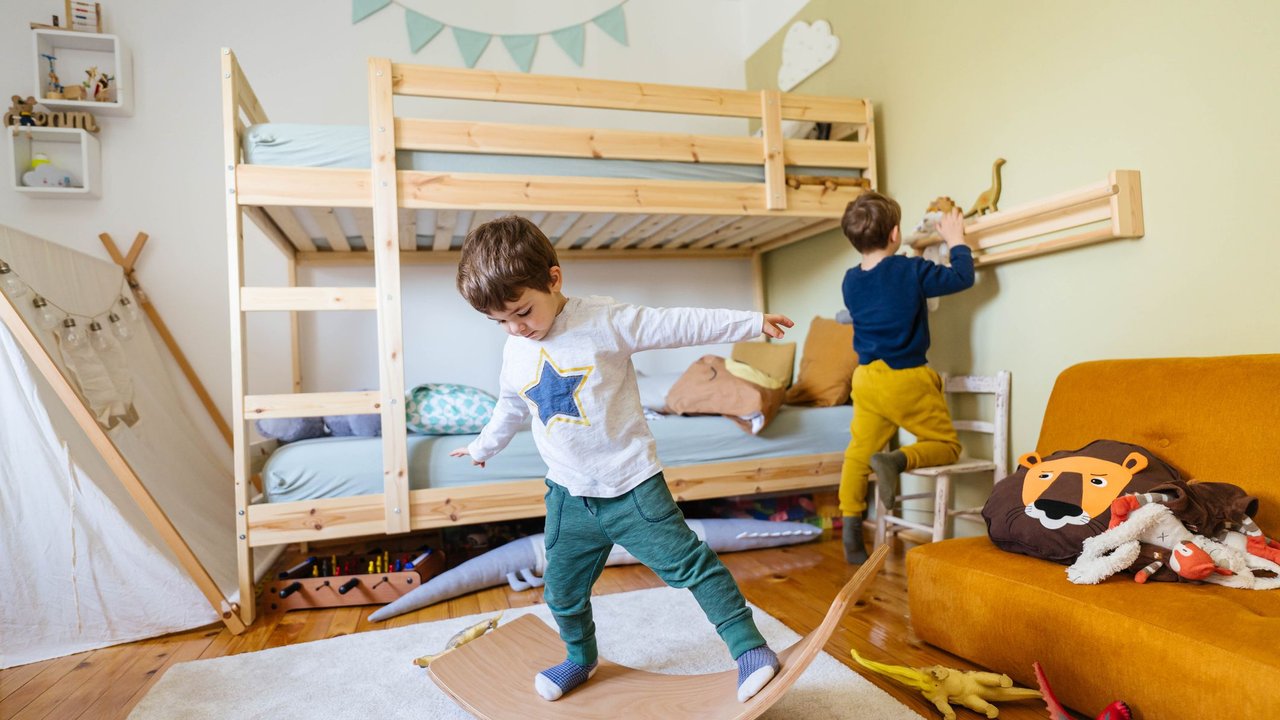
(996, 385)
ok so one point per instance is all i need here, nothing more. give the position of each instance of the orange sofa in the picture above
(1169, 650)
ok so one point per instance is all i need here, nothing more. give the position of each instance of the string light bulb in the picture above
(72, 336)
(130, 311)
(120, 328)
(46, 316)
(98, 337)
(10, 282)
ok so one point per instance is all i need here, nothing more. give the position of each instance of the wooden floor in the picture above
(794, 584)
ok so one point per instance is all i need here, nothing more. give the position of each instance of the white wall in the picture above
(762, 18)
(162, 166)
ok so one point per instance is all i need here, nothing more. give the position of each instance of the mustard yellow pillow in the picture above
(775, 359)
(826, 366)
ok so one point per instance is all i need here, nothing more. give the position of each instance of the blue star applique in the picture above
(555, 392)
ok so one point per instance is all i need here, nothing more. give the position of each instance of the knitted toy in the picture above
(943, 686)
(1137, 519)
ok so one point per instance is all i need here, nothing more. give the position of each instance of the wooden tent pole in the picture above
(128, 262)
(120, 467)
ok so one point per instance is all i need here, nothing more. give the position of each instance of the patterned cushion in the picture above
(446, 409)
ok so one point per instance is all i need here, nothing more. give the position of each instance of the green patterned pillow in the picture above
(447, 409)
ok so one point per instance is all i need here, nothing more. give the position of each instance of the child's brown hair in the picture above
(869, 219)
(500, 259)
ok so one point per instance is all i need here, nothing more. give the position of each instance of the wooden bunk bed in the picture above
(599, 218)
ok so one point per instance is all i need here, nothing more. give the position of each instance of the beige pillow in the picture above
(826, 367)
(775, 359)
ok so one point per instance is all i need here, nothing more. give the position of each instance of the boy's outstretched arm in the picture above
(509, 415)
(645, 328)
(941, 280)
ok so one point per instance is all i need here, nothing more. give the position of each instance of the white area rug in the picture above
(372, 675)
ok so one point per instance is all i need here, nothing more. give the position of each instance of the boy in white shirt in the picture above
(568, 366)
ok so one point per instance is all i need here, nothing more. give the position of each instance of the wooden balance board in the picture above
(492, 677)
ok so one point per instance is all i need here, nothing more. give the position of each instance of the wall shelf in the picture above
(69, 149)
(76, 52)
(1111, 210)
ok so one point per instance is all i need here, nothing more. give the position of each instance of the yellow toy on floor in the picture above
(943, 686)
(462, 637)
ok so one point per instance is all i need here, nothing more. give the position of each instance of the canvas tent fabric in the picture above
(81, 566)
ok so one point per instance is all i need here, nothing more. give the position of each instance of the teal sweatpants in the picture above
(646, 522)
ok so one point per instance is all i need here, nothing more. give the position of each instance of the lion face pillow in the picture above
(1050, 506)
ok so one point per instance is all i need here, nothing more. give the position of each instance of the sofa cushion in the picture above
(1170, 650)
(1051, 505)
(1213, 418)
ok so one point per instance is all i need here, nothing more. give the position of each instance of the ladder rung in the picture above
(259, 299)
(311, 404)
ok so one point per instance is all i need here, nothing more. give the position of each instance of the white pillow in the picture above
(654, 389)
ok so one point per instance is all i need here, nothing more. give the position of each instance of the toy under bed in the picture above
(347, 466)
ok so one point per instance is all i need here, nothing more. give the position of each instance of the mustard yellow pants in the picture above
(884, 400)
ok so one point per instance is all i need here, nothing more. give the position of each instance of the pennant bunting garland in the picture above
(472, 43)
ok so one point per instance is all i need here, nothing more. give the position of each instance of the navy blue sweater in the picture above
(887, 303)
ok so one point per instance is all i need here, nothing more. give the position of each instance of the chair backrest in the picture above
(998, 427)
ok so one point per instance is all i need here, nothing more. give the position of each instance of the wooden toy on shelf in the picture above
(83, 16)
(370, 578)
(1111, 208)
(988, 200)
(22, 112)
(525, 646)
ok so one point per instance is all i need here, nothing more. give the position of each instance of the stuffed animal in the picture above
(943, 686)
(1141, 518)
(1115, 711)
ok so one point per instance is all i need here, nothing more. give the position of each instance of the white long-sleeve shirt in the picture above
(579, 387)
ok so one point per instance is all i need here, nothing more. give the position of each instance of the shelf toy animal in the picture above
(943, 686)
(1115, 711)
(102, 88)
(988, 201)
(22, 113)
(1141, 518)
(520, 563)
(460, 638)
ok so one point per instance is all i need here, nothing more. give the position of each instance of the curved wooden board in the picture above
(492, 677)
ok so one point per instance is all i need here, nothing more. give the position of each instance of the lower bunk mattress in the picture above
(347, 466)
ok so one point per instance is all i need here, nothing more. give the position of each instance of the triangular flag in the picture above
(613, 22)
(521, 48)
(570, 40)
(471, 44)
(421, 29)
(361, 9)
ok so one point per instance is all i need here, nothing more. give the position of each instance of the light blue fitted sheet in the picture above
(344, 146)
(341, 467)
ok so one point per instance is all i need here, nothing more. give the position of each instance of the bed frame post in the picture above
(775, 171)
(867, 134)
(386, 249)
(757, 282)
(239, 360)
(295, 354)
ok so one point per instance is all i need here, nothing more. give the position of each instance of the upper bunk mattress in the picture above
(346, 466)
(344, 146)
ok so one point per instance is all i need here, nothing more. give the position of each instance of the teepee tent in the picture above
(117, 511)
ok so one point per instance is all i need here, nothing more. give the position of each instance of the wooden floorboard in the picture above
(794, 584)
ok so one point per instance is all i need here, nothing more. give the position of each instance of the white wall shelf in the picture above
(76, 52)
(69, 149)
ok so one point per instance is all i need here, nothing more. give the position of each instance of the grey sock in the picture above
(855, 553)
(888, 468)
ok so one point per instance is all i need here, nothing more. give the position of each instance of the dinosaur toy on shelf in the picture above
(988, 200)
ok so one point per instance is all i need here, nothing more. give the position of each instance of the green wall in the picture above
(1184, 92)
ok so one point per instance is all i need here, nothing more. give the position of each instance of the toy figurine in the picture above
(55, 87)
(23, 111)
(1115, 711)
(943, 686)
(462, 637)
(987, 201)
(102, 89)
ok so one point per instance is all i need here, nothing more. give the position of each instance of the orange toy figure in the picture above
(1186, 559)
(1115, 711)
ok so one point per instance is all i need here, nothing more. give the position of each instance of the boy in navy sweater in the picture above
(893, 386)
